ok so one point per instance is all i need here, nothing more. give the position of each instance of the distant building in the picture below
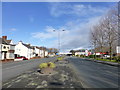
(118, 43)
(82, 52)
(41, 51)
(118, 50)
(7, 49)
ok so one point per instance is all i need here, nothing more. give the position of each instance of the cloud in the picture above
(48, 34)
(77, 30)
(75, 36)
(13, 29)
(59, 9)
(31, 19)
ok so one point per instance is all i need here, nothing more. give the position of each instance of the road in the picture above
(95, 75)
(91, 74)
(13, 69)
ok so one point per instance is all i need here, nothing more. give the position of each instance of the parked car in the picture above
(106, 56)
(24, 58)
(20, 58)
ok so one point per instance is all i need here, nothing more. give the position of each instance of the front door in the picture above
(5, 53)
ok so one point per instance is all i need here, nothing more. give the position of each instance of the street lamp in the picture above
(58, 38)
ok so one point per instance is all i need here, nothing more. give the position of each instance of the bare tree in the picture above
(93, 38)
(111, 32)
(105, 33)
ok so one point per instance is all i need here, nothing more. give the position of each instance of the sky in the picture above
(34, 22)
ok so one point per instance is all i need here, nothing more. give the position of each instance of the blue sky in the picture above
(34, 22)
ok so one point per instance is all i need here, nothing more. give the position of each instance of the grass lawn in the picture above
(106, 60)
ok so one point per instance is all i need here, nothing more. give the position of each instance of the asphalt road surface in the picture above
(95, 75)
(13, 69)
(91, 74)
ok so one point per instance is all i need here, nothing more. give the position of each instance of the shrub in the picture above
(117, 58)
(77, 55)
(60, 58)
(45, 65)
(51, 65)
(91, 56)
(81, 55)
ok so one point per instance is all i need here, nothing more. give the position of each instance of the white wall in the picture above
(46, 53)
(21, 50)
(10, 56)
(86, 52)
(80, 53)
(37, 51)
(118, 49)
(7, 47)
(41, 53)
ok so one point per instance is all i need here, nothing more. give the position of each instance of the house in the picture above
(81, 52)
(22, 49)
(52, 52)
(39, 51)
(43, 51)
(46, 52)
(36, 51)
(118, 50)
(7, 49)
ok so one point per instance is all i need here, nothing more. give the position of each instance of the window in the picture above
(4, 47)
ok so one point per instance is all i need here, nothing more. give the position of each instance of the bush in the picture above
(45, 65)
(60, 58)
(91, 56)
(51, 65)
(77, 55)
(117, 58)
(82, 55)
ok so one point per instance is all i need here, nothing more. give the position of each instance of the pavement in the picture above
(105, 62)
(95, 75)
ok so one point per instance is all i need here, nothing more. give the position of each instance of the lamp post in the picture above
(59, 44)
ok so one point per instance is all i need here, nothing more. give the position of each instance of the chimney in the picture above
(4, 37)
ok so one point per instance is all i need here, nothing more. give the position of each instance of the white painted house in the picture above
(81, 52)
(46, 52)
(22, 49)
(118, 50)
(36, 51)
(43, 51)
(7, 49)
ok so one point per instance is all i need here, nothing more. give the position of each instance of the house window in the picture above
(4, 47)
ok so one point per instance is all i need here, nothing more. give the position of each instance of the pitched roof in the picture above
(28, 46)
(42, 48)
(7, 42)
